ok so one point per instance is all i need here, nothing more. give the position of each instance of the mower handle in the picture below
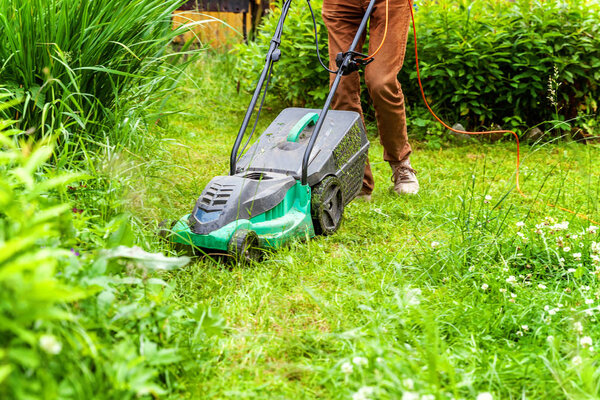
(346, 66)
(272, 56)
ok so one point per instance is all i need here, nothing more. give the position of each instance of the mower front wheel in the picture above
(327, 206)
(244, 246)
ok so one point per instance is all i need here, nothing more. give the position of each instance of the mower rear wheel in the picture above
(165, 228)
(327, 206)
(244, 246)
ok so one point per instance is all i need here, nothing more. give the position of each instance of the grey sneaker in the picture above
(404, 178)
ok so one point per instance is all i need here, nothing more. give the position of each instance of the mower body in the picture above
(265, 196)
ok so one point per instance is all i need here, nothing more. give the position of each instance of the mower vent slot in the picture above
(350, 183)
(256, 176)
(215, 198)
(349, 146)
(351, 174)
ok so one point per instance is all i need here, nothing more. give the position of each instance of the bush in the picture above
(298, 78)
(483, 63)
(511, 63)
(89, 68)
(78, 323)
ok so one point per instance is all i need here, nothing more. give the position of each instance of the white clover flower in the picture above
(511, 279)
(513, 295)
(435, 244)
(592, 229)
(525, 327)
(519, 333)
(471, 268)
(347, 368)
(413, 296)
(542, 286)
(576, 360)
(502, 290)
(550, 339)
(571, 270)
(50, 344)
(585, 341)
(578, 327)
(409, 383)
(553, 311)
(521, 235)
(485, 286)
(546, 308)
(360, 361)
(595, 247)
(485, 396)
(364, 393)
(563, 226)
(520, 224)
(567, 249)
(589, 301)
(410, 396)
(577, 256)
(488, 197)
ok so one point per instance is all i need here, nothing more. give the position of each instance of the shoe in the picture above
(404, 178)
(364, 196)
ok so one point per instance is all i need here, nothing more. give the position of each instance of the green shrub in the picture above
(516, 64)
(75, 322)
(89, 68)
(298, 78)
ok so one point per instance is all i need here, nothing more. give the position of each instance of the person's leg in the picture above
(382, 81)
(342, 18)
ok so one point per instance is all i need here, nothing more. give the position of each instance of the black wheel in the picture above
(244, 246)
(327, 206)
(165, 230)
(165, 227)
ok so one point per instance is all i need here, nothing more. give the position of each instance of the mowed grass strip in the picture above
(432, 295)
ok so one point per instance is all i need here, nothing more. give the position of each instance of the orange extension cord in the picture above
(410, 6)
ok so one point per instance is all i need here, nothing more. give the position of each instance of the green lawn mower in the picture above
(293, 182)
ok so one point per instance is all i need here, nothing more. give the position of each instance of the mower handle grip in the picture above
(308, 120)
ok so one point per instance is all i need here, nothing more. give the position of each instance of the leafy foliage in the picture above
(514, 64)
(298, 78)
(511, 63)
(76, 322)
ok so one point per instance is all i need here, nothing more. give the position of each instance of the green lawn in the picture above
(433, 294)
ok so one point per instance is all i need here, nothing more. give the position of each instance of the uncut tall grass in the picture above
(84, 69)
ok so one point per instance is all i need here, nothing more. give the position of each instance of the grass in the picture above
(464, 289)
(87, 72)
(413, 294)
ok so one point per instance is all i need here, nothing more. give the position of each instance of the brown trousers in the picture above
(342, 18)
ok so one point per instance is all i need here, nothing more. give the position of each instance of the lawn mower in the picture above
(293, 182)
